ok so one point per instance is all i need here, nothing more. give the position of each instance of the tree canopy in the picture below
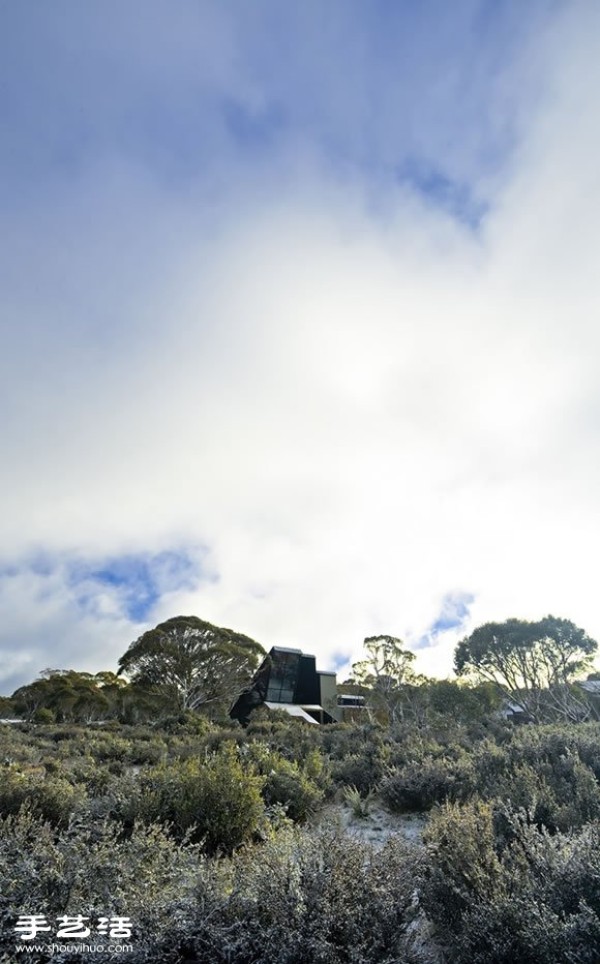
(191, 662)
(67, 694)
(384, 674)
(533, 663)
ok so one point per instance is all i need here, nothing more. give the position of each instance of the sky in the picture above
(299, 330)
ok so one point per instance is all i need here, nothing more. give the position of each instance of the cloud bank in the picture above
(300, 324)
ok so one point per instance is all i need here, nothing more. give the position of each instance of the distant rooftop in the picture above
(590, 685)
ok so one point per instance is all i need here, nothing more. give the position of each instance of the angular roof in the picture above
(293, 709)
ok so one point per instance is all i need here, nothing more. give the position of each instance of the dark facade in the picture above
(289, 680)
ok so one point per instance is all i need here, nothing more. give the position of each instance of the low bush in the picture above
(51, 797)
(44, 715)
(301, 897)
(364, 771)
(187, 722)
(92, 870)
(558, 790)
(358, 804)
(106, 746)
(501, 891)
(418, 786)
(216, 800)
(287, 784)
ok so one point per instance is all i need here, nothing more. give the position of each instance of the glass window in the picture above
(282, 679)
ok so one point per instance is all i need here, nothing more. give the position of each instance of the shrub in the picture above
(70, 732)
(94, 871)
(186, 722)
(360, 806)
(221, 738)
(286, 783)
(44, 715)
(107, 746)
(288, 786)
(316, 768)
(418, 786)
(363, 771)
(215, 800)
(558, 795)
(51, 797)
(501, 891)
(317, 897)
(344, 739)
(360, 755)
(464, 865)
(147, 753)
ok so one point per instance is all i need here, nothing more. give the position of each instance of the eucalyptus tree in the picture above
(70, 695)
(534, 664)
(191, 663)
(385, 676)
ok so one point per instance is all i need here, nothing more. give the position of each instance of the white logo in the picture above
(29, 926)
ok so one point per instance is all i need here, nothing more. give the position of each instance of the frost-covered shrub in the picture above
(301, 897)
(501, 891)
(364, 771)
(543, 773)
(562, 795)
(418, 786)
(294, 739)
(491, 763)
(464, 866)
(93, 870)
(344, 739)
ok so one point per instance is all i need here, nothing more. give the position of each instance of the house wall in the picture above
(328, 695)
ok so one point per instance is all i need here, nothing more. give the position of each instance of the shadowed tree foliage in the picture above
(65, 695)
(192, 663)
(533, 663)
(457, 700)
(7, 707)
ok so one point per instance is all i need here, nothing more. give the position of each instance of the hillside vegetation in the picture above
(139, 798)
(204, 835)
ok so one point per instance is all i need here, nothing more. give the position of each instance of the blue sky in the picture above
(179, 88)
(299, 322)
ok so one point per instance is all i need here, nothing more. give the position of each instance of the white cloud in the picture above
(359, 407)
(44, 627)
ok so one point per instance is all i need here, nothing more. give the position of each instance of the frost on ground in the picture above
(377, 826)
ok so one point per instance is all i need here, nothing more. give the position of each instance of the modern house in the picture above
(289, 680)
